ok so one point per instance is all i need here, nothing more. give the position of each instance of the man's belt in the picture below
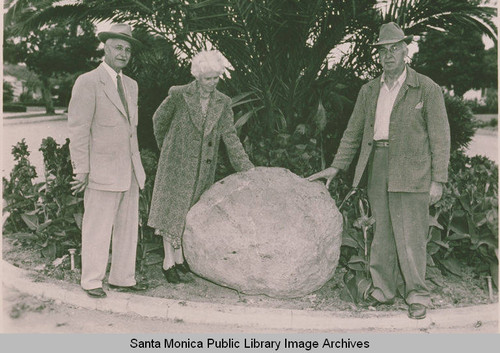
(381, 143)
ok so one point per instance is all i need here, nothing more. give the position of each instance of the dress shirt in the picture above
(385, 103)
(112, 73)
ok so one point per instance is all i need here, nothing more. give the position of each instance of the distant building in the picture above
(23, 82)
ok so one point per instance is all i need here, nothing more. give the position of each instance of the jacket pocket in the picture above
(107, 120)
(102, 168)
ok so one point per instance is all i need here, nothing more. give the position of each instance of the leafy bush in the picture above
(8, 92)
(485, 124)
(18, 190)
(464, 226)
(44, 215)
(461, 120)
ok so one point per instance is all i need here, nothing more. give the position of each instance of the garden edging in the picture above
(271, 318)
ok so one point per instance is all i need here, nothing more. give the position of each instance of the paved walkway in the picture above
(463, 320)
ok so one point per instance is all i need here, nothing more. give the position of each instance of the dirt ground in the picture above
(452, 291)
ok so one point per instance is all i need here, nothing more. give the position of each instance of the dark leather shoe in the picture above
(171, 275)
(183, 267)
(417, 311)
(95, 293)
(371, 301)
(138, 287)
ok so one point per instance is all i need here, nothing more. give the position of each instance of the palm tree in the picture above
(279, 49)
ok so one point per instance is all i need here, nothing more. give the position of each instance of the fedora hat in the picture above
(119, 31)
(392, 33)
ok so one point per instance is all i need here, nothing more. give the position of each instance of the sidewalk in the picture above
(32, 118)
(466, 320)
(30, 113)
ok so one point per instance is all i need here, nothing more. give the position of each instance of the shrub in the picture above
(18, 190)
(464, 227)
(14, 108)
(44, 215)
(8, 92)
(461, 119)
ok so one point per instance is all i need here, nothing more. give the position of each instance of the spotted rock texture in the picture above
(265, 231)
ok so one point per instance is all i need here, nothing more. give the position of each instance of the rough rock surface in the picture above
(265, 231)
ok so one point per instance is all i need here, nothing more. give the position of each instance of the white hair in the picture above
(208, 61)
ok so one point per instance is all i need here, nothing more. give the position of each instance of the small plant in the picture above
(19, 190)
(356, 240)
(45, 215)
(464, 223)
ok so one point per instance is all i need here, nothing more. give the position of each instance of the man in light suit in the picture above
(400, 122)
(102, 119)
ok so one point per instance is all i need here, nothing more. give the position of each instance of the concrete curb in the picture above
(33, 120)
(270, 318)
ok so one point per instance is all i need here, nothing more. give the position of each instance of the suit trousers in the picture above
(398, 254)
(107, 215)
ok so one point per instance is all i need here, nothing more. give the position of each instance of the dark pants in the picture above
(398, 251)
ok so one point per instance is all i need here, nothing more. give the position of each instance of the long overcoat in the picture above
(189, 145)
(419, 135)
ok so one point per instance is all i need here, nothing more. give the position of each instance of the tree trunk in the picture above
(47, 96)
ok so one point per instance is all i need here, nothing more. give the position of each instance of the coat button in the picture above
(209, 161)
(369, 143)
(209, 143)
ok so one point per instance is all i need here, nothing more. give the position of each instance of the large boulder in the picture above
(265, 231)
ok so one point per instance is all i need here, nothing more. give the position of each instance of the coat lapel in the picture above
(110, 90)
(132, 103)
(411, 80)
(192, 98)
(214, 111)
(372, 101)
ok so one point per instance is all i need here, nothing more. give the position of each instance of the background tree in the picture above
(155, 68)
(279, 49)
(457, 60)
(53, 52)
(280, 52)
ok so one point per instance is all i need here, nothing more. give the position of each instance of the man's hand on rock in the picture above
(79, 182)
(328, 174)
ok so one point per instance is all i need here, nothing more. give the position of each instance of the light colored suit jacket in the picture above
(103, 142)
(419, 135)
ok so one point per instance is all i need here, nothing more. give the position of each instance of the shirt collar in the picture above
(399, 81)
(111, 72)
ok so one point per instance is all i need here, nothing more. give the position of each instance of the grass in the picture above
(452, 291)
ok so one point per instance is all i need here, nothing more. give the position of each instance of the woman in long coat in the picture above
(188, 127)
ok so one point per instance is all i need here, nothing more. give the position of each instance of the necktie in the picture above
(121, 93)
